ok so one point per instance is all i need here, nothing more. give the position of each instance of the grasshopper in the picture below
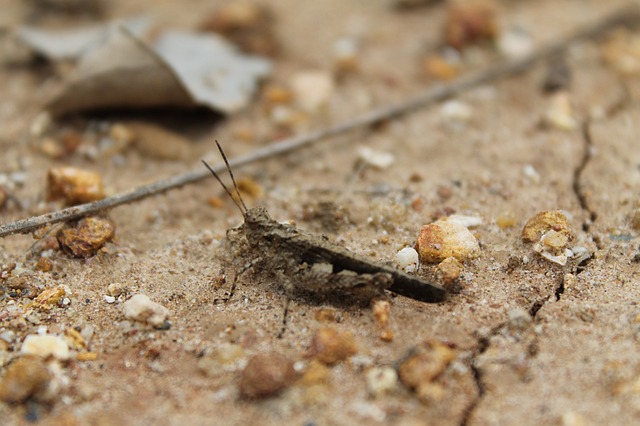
(309, 263)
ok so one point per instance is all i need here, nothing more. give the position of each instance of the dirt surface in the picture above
(535, 342)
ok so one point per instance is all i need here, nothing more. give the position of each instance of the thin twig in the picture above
(428, 97)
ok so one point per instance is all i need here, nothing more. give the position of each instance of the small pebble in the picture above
(312, 89)
(456, 111)
(531, 174)
(115, 289)
(44, 264)
(544, 222)
(469, 22)
(85, 237)
(423, 365)
(622, 52)
(449, 272)
(330, 346)
(109, 299)
(466, 221)
(381, 381)
(444, 238)
(436, 66)
(141, 308)
(157, 142)
(345, 53)
(382, 311)
(560, 113)
(44, 346)
(249, 187)
(506, 220)
(246, 24)
(23, 379)
(515, 43)
(408, 260)
(376, 159)
(325, 315)
(49, 297)
(74, 186)
(266, 375)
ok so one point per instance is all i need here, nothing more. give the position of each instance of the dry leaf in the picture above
(186, 70)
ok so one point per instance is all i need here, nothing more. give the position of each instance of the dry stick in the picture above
(428, 97)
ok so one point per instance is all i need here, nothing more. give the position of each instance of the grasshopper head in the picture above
(257, 217)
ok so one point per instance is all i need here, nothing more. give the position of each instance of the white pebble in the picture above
(109, 299)
(377, 159)
(408, 260)
(531, 173)
(456, 111)
(312, 89)
(141, 308)
(45, 345)
(381, 380)
(515, 43)
(466, 221)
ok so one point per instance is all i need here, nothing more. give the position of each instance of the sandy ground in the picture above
(575, 363)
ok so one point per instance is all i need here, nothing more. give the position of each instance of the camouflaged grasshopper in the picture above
(303, 262)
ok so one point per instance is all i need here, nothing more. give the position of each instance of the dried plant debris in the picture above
(72, 44)
(85, 237)
(180, 70)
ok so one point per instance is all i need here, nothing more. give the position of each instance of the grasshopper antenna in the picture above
(235, 185)
(225, 187)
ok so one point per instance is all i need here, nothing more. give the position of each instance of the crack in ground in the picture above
(577, 175)
(483, 344)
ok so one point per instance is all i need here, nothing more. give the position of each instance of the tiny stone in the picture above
(44, 264)
(312, 89)
(266, 375)
(109, 299)
(49, 297)
(444, 238)
(24, 378)
(506, 220)
(449, 271)
(560, 113)
(470, 22)
(85, 237)
(115, 289)
(325, 315)
(45, 346)
(456, 111)
(515, 43)
(141, 308)
(408, 260)
(381, 381)
(376, 159)
(74, 186)
(330, 346)
(544, 222)
(423, 365)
